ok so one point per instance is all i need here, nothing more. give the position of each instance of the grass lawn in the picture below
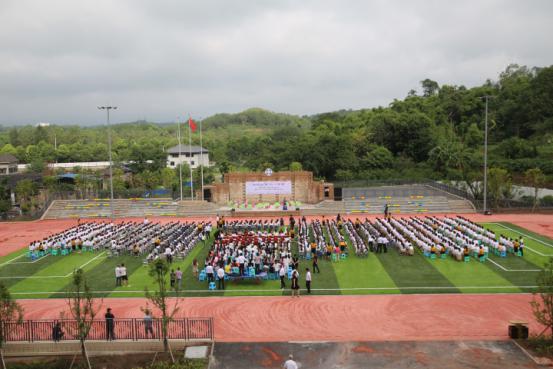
(377, 273)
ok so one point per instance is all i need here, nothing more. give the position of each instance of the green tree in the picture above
(8, 149)
(499, 184)
(534, 178)
(295, 166)
(10, 311)
(168, 178)
(24, 190)
(159, 272)
(474, 136)
(83, 307)
(429, 87)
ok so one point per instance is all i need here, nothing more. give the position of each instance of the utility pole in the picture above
(486, 99)
(180, 158)
(107, 109)
(201, 160)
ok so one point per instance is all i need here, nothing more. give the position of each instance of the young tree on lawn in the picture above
(535, 178)
(542, 302)
(10, 311)
(159, 271)
(83, 307)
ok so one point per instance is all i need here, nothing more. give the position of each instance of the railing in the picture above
(188, 329)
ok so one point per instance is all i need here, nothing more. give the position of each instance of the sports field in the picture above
(388, 273)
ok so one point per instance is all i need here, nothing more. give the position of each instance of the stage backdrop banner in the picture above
(269, 188)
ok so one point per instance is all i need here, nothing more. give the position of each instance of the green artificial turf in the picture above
(376, 273)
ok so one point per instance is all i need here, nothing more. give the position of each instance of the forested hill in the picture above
(255, 117)
(434, 133)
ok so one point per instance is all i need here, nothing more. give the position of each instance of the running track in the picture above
(324, 318)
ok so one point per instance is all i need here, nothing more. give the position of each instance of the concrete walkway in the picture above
(367, 355)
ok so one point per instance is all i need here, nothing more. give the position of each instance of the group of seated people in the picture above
(176, 240)
(93, 235)
(264, 246)
(131, 238)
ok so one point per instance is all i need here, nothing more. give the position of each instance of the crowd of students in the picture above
(151, 240)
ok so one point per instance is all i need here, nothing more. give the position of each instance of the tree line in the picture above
(436, 133)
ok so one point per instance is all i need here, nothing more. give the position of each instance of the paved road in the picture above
(367, 355)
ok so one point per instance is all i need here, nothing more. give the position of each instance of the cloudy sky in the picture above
(161, 59)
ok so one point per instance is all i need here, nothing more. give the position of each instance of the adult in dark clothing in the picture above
(295, 262)
(110, 325)
(57, 332)
(295, 284)
(316, 263)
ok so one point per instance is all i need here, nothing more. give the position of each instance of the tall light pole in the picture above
(180, 157)
(486, 98)
(107, 109)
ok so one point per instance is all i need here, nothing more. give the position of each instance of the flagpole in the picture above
(202, 160)
(190, 162)
(180, 158)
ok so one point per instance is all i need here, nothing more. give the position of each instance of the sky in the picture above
(161, 59)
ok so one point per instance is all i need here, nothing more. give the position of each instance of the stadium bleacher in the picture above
(124, 208)
(408, 199)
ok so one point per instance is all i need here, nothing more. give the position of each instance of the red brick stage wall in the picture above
(304, 188)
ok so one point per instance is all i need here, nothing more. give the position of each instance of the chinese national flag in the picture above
(192, 124)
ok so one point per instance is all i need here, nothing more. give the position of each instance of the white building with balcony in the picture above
(194, 156)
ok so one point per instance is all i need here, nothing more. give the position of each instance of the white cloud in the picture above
(159, 59)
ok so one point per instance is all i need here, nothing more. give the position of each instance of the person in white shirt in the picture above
(281, 274)
(308, 280)
(209, 272)
(124, 277)
(221, 276)
(290, 363)
(118, 275)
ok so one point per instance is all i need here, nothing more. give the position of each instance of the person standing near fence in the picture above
(148, 323)
(110, 325)
(57, 332)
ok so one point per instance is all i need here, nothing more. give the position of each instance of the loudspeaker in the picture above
(518, 331)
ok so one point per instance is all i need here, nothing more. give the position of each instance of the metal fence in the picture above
(189, 329)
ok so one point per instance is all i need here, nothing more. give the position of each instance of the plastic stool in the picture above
(432, 256)
(211, 286)
(443, 256)
(467, 259)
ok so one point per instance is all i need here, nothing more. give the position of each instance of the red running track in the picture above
(323, 318)
(337, 318)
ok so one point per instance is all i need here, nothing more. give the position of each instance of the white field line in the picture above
(513, 270)
(31, 262)
(9, 261)
(313, 289)
(55, 276)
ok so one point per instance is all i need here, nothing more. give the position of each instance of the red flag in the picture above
(192, 124)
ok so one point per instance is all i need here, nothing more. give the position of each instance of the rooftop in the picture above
(186, 149)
